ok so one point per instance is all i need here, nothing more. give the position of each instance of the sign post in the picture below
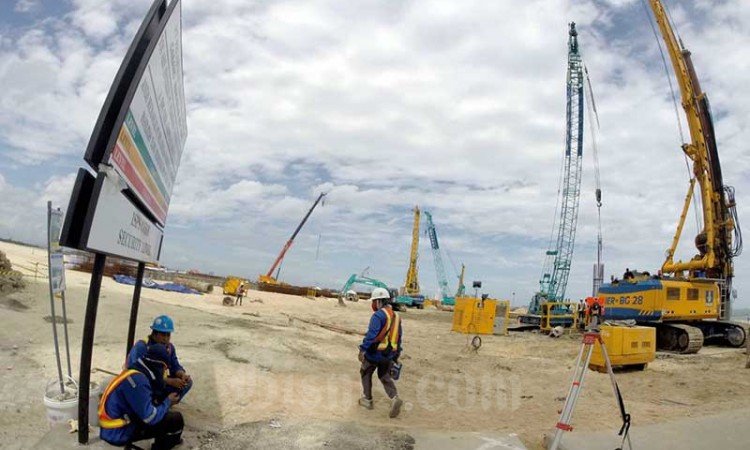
(56, 279)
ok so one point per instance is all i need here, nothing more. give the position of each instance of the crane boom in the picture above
(438, 258)
(554, 279)
(461, 287)
(714, 242)
(411, 287)
(268, 277)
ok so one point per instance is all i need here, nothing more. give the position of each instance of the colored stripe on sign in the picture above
(140, 144)
(128, 146)
(129, 172)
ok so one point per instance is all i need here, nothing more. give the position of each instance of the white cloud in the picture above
(459, 109)
(26, 6)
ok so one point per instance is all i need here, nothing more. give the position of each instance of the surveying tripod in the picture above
(590, 339)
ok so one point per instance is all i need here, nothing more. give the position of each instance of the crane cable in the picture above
(674, 97)
(591, 106)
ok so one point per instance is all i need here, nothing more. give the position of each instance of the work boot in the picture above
(365, 402)
(395, 407)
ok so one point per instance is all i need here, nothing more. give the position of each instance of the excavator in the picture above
(689, 302)
(268, 278)
(348, 294)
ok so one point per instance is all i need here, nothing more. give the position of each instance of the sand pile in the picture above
(10, 280)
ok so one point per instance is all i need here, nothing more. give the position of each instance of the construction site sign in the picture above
(135, 148)
(119, 228)
(152, 136)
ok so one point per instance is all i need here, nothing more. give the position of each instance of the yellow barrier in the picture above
(477, 316)
(558, 311)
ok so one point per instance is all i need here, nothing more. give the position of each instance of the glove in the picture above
(361, 357)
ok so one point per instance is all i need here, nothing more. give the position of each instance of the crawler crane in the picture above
(559, 256)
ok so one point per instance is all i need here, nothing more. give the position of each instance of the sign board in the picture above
(119, 228)
(152, 136)
(57, 272)
(55, 253)
(136, 147)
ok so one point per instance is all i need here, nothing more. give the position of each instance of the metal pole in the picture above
(65, 328)
(52, 300)
(87, 345)
(134, 307)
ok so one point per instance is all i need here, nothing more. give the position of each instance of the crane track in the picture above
(680, 338)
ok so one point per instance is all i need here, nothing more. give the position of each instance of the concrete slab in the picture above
(725, 431)
(59, 438)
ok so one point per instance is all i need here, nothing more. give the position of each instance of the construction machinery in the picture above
(268, 277)
(558, 258)
(409, 294)
(689, 302)
(359, 279)
(461, 291)
(445, 296)
(232, 285)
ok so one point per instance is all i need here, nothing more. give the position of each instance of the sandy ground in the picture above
(256, 370)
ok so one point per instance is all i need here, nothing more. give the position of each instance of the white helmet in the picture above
(380, 294)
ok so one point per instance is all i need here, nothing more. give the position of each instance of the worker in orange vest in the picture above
(380, 350)
(129, 411)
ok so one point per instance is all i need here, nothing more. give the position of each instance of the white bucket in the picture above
(63, 406)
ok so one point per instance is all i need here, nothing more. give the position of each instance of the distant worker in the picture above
(628, 274)
(176, 380)
(129, 410)
(595, 311)
(240, 294)
(380, 350)
(581, 313)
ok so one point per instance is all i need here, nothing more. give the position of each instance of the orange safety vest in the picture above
(388, 336)
(104, 420)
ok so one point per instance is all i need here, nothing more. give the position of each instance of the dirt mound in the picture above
(12, 304)
(10, 280)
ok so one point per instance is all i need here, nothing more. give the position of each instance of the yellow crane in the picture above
(411, 287)
(680, 299)
(409, 293)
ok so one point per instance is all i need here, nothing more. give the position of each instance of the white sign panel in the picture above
(56, 263)
(150, 143)
(57, 272)
(119, 228)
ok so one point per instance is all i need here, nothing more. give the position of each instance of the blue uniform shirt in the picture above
(132, 397)
(370, 347)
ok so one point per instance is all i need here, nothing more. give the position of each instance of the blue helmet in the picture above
(163, 324)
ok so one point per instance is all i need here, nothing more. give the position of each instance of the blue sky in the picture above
(458, 107)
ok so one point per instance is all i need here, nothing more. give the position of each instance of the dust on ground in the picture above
(256, 367)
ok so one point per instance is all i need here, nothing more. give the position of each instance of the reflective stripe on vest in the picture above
(388, 336)
(104, 420)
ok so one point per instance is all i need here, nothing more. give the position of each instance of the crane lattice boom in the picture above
(554, 279)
